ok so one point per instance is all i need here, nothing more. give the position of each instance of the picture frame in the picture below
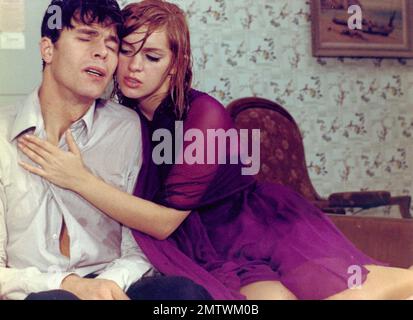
(385, 30)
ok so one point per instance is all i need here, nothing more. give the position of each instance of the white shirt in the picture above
(32, 210)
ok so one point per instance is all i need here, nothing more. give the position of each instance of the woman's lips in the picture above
(132, 82)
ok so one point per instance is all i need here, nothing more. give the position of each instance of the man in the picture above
(53, 244)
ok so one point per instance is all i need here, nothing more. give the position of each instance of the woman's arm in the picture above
(66, 169)
(145, 216)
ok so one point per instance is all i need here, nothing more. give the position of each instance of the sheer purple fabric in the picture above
(239, 231)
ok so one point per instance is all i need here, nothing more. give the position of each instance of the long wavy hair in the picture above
(155, 15)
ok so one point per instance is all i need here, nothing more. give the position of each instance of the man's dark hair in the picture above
(105, 12)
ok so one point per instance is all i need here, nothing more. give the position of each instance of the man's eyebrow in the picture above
(95, 33)
(87, 31)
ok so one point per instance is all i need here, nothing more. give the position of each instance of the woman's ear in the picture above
(46, 49)
(172, 72)
(172, 69)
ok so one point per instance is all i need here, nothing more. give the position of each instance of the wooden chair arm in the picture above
(385, 239)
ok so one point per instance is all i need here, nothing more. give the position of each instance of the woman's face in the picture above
(146, 75)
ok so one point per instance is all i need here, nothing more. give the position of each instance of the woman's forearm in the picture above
(145, 216)
(66, 169)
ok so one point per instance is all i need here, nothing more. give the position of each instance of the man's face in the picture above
(84, 59)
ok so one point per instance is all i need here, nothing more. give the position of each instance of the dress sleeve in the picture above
(204, 173)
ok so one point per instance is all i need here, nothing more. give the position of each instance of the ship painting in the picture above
(380, 19)
(368, 25)
(372, 28)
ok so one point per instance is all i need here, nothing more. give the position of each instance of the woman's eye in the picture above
(83, 39)
(152, 58)
(126, 52)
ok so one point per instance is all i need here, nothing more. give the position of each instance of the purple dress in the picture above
(239, 230)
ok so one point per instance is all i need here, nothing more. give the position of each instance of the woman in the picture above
(236, 237)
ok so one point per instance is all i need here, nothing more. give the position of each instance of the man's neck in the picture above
(60, 109)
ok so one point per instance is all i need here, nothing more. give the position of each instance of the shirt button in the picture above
(55, 236)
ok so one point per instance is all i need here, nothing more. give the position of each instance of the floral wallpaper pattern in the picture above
(355, 114)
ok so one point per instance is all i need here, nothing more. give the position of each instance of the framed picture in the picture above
(362, 28)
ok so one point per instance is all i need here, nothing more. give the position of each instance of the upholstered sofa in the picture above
(283, 161)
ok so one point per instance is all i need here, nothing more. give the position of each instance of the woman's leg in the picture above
(267, 290)
(382, 283)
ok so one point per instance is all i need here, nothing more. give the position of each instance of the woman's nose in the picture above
(136, 63)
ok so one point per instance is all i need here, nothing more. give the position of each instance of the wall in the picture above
(21, 70)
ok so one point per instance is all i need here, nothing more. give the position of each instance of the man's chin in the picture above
(92, 94)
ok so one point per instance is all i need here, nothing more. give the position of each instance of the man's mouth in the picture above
(96, 72)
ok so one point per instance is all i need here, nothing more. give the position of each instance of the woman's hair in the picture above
(155, 15)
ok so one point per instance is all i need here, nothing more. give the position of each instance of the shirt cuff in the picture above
(43, 282)
(54, 280)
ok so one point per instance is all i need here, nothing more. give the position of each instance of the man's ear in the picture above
(46, 49)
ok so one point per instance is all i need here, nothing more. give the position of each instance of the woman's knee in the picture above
(267, 290)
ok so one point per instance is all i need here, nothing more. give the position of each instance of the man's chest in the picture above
(29, 196)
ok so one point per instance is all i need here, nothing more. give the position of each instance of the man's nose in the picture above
(100, 50)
